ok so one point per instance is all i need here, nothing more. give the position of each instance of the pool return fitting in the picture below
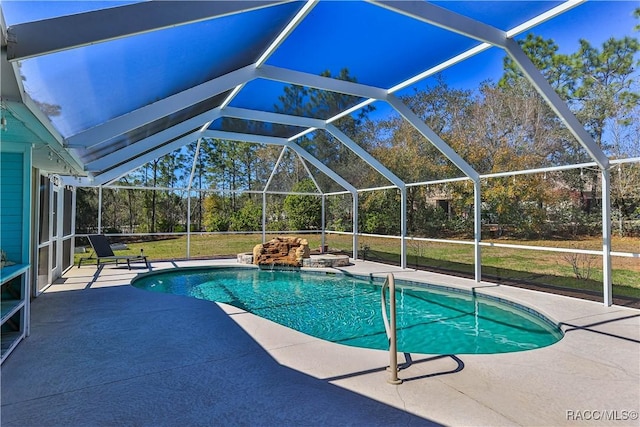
(390, 327)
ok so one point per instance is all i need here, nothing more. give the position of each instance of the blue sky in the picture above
(378, 47)
(363, 45)
(594, 21)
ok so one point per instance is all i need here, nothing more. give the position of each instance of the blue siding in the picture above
(11, 209)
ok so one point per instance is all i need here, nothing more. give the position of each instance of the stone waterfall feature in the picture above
(283, 251)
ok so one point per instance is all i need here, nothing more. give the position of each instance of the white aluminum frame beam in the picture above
(561, 109)
(306, 167)
(303, 133)
(440, 67)
(136, 149)
(47, 36)
(443, 18)
(356, 197)
(287, 30)
(284, 75)
(126, 167)
(393, 178)
(264, 216)
(477, 230)
(403, 228)
(543, 17)
(432, 137)
(3, 29)
(525, 26)
(584, 138)
(323, 226)
(100, 209)
(194, 164)
(364, 155)
(275, 168)
(142, 116)
(322, 167)
(264, 194)
(319, 124)
(261, 139)
(244, 137)
(280, 38)
(607, 279)
(236, 90)
(457, 160)
(269, 117)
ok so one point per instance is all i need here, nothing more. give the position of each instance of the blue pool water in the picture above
(346, 310)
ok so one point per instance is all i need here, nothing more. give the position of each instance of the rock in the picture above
(289, 251)
(257, 251)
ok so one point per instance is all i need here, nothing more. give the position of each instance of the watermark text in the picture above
(601, 415)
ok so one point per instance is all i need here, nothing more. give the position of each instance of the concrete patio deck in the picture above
(104, 353)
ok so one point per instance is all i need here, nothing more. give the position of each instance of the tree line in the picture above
(500, 127)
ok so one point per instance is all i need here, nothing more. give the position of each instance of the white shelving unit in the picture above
(14, 307)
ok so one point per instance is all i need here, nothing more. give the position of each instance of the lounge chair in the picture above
(102, 250)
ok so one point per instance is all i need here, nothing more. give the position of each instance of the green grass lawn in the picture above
(545, 268)
(538, 267)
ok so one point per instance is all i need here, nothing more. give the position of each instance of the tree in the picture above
(600, 86)
(316, 103)
(605, 86)
(380, 212)
(304, 212)
(625, 178)
(87, 210)
(558, 69)
(409, 155)
(339, 212)
(248, 217)
(216, 217)
(230, 165)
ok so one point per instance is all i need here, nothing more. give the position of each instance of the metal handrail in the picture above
(390, 326)
(383, 307)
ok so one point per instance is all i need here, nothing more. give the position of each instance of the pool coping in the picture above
(596, 366)
(568, 313)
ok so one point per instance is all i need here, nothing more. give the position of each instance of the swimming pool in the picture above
(346, 310)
